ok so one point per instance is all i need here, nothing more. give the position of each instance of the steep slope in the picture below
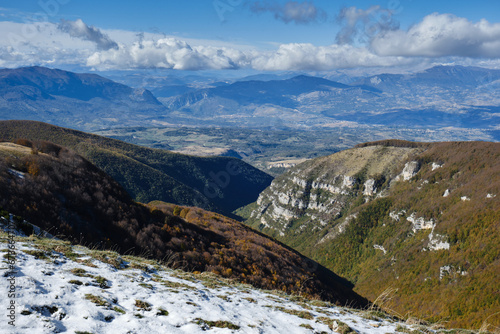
(76, 292)
(83, 101)
(64, 194)
(215, 183)
(421, 220)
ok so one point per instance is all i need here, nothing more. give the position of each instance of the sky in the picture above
(272, 35)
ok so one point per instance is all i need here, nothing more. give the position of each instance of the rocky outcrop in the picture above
(411, 169)
(315, 192)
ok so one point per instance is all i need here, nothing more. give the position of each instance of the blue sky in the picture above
(262, 35)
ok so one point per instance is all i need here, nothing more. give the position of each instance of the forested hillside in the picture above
(216, 183)
(419, 221)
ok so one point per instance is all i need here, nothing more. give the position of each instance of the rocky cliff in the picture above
(419, 220)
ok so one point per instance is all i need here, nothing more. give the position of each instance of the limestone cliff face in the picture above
(419, 218)
(317, 191)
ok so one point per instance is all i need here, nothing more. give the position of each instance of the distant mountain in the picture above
(420, 221)
(437, 98)
(442, 96)
(279, 92)
(215, 183)
(451, 77)
(84, 101)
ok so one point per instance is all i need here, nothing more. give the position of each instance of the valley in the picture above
(272, 150)
(284, 183)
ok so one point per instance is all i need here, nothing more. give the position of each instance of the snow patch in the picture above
(491, 195)
(16, 173)
(52, 302)
(446, 193)
(464, 199)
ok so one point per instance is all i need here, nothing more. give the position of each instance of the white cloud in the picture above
(440, 35)
(79, 29)
(168, 53)
(305, 56)
(292, 11)
(438, 38)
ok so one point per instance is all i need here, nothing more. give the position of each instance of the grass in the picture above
(341, 327)
(146, 286)
(177, 285)
(142, 305)
(300, 314)
(207, 324)
(99, 301)
(80, 272)
(162, 312)
(306, 326)
(103, 282)
(38, 254)
(119, 310)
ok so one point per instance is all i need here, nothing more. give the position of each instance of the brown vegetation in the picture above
(66, 195)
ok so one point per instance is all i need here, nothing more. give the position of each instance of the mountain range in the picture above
(83, 101)
(440, 97)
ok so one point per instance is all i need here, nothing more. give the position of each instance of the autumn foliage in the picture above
(66, 195)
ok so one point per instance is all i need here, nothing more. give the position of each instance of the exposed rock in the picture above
(409, 171)
(436, 242)
(395, 215)
(370, 188)
(436, 166)
(444, 271)
(348, 182)
(420, 223)
(380, 248)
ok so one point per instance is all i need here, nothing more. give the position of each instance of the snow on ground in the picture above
(68, 290)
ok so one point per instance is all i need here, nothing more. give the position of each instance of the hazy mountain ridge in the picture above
(442, 96)
(438, 98)
(84, 101)
(418, 219)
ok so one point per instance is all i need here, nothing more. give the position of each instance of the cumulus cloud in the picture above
(80, 29)
(304, 56)
(359, 25)
(292, 11)
(168, 53)
(438, 38)
(440, 35)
